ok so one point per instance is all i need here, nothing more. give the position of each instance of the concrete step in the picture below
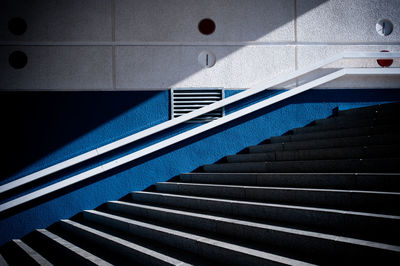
(372, 113)
(16, 252)
(60, 251)
(290, 239)
(385, 165)
(376, 227)
(376, 115)
(388, 108)
(124, 251)
(339, 133)
(347, 123)
(213, 249)
(355, 200)
(356, 152)
(367, 181)
(383, 139)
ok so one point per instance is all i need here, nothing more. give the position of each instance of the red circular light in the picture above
(207, 26)
(385, 62)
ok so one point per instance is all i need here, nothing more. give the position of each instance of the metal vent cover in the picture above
(186, 100)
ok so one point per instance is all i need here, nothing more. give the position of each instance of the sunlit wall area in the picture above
(136, 45)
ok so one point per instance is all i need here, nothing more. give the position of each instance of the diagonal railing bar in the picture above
(193, 132)
(171, 123)
(263, 85)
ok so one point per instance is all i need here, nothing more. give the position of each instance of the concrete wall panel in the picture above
(58, 20)
(346, 20)
(58, 68)
(177, 21)
(169, 66)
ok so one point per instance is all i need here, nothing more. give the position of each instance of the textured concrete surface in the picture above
(58, 68)
(251, 20)
(177, 66)
(346, 20)
(156, 43)
(312, 54)
(59, 20)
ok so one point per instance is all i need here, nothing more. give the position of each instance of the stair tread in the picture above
(377, 107)
(337, 142)
(156, 256)
(284, 188)
(300, 216)
(334, 165)
(198, 239)
(332, 210)
(348, 123)
(364, 151)
(35, 256)
(338, 132)
(268, 227)
(57, 240)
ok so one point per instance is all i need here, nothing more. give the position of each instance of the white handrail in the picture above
(176, 121)
(190, 133)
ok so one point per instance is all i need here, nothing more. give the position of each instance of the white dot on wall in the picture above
(206, 59)
(384, 27)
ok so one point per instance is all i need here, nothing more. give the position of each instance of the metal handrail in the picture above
(190, 133)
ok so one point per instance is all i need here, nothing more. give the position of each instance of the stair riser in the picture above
(319, 154)
(327, 143)
(187, 244)
(340, 133)
(289, 240)
(317, 166)
(346, 124)
(357, 201)
(345, 223)
(333, 181)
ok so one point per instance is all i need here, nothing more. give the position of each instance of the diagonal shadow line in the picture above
(306, 97)
(40, 123)
(50, 135)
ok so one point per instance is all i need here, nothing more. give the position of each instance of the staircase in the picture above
(327, 193)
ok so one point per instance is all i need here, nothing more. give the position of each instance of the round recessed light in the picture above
(18, 59)
(17, 26)
(384, 27)
(207, 26)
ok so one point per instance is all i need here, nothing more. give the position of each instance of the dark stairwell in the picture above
(327, 193)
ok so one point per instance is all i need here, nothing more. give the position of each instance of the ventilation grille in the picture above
(184, 101)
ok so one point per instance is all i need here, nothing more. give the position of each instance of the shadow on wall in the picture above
(40, 124)
(37, 124)
(187, 155)
(317, 104)
(235, 22)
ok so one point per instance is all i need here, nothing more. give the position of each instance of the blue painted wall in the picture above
(43, 128)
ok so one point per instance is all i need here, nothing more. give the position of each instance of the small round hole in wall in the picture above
(18, 59)
(384, 27)
(17, 26)
(206, 59)
(207, 26)
(385, 62)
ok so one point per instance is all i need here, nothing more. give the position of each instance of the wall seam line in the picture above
(113, 63)
(296, 64)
